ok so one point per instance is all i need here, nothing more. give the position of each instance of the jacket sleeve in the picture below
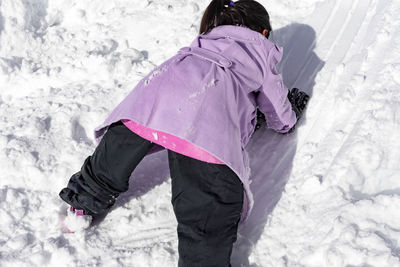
(272, 97)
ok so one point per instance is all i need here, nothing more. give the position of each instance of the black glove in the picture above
(299, 101)
(260, 117)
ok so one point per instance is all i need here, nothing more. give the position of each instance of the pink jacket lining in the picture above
(171, 142)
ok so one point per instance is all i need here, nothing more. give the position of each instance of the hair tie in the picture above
(231, 3)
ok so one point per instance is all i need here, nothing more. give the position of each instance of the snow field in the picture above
(327, 195)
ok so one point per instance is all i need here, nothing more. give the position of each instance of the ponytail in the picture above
(211, 14)
(248, 13)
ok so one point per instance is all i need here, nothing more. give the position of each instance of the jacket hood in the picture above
(247, 49)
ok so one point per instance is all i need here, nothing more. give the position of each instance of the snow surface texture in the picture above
(326, 195)
(75, 222)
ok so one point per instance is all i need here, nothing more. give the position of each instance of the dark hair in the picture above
(248, 13)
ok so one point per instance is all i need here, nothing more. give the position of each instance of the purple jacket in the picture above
(206, 94)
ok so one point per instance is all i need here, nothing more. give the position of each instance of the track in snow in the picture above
(327, 195)
(339, 156)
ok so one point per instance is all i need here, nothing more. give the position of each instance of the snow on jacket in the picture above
(208, 93)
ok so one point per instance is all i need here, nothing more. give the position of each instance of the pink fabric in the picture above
(171, 142)
(77, 212)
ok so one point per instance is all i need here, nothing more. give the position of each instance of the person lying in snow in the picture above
(201, 105)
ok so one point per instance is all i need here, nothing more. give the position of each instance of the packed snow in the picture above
(326, 195)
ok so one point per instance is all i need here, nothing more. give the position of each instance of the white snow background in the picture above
(326, 195)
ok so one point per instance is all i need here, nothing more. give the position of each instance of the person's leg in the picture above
(207, 200)
(105, 174)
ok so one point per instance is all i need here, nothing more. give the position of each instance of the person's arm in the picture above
(272, 99)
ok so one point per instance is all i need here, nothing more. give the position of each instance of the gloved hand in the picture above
(299, 101)
(260, 117)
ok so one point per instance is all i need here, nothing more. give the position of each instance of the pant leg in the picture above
(105, 174)
(207, 200)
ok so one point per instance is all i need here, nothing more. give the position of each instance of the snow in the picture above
(75, 221)
(326, 195)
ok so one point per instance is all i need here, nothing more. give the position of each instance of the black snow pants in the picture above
(207, 198)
